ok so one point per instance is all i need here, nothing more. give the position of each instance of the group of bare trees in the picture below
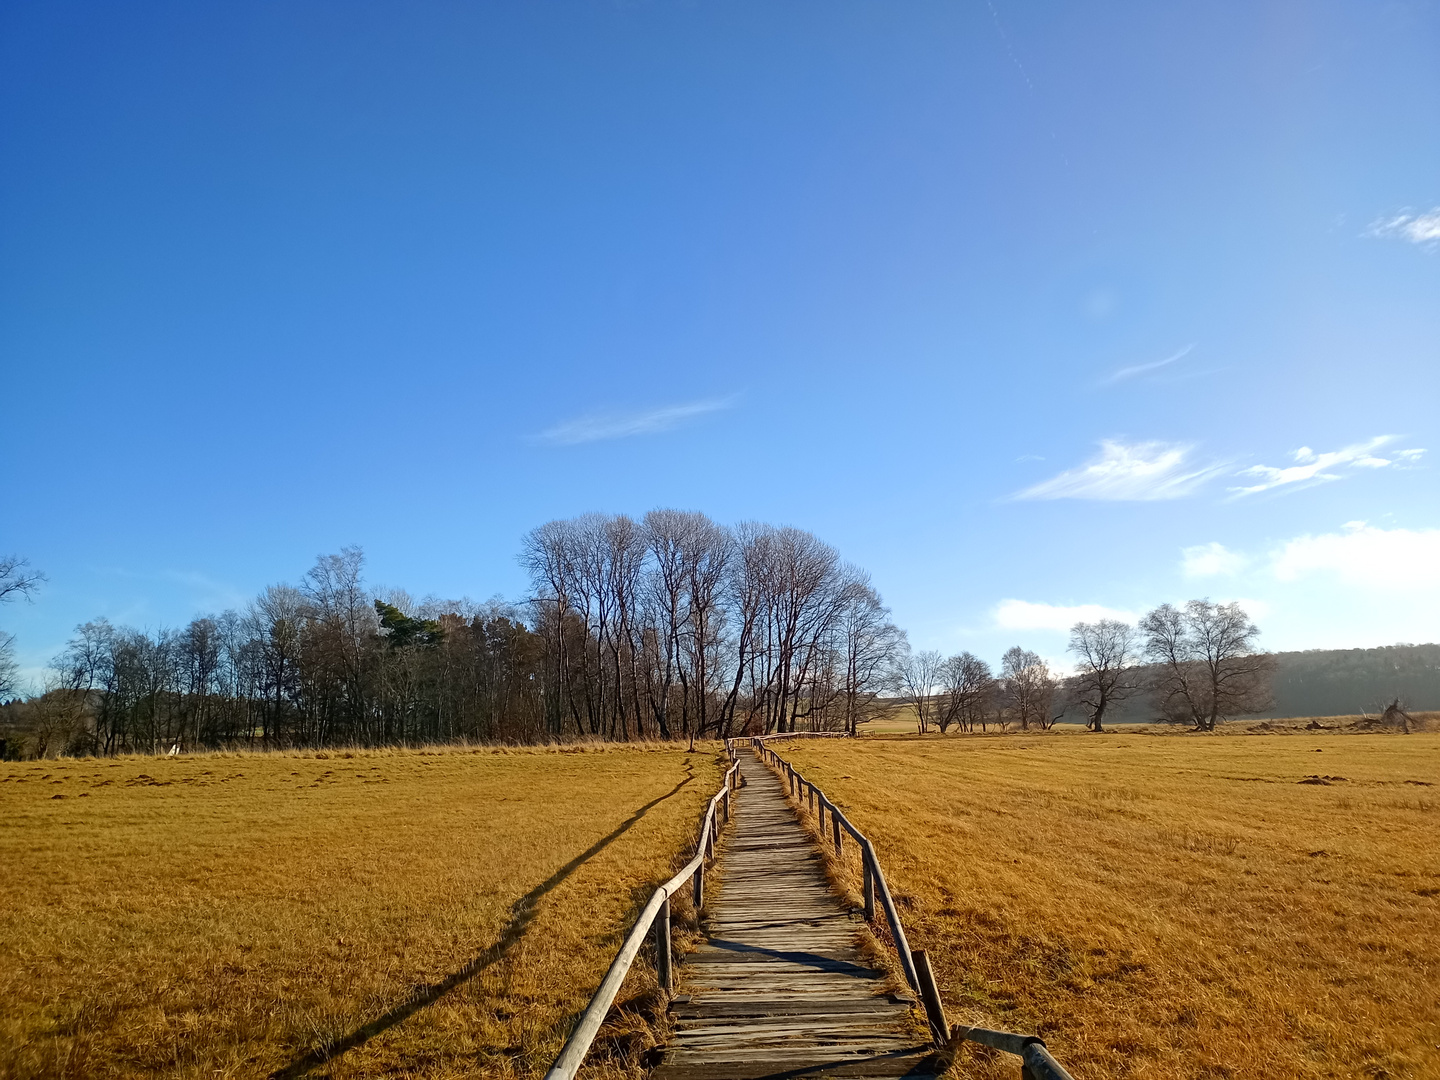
(1199, 664)
(672, 626)
(962, 692)
(322, 663)
(676, 626)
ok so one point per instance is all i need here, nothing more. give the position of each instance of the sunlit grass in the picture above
(246, 915)
(1168, 907)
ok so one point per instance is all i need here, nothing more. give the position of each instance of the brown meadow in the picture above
(344, 914)
(1166, 907)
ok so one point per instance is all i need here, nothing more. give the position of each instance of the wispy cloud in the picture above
(1141, 369)
(596, 427)
(1312, 468)
(1026, 615)
(1411, 227)
(1211, 560)
(1131, 472)
(208, 592)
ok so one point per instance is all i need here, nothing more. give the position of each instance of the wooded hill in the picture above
(1337, 682)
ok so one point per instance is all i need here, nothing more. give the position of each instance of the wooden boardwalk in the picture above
(780, 989)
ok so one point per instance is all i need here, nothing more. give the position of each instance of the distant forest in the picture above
(1338, 682)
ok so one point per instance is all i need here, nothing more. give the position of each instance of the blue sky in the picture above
(1034, 311)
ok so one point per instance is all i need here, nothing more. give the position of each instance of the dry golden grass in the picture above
(245, 915)
(1167, 907)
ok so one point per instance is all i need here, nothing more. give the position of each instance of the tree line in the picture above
(670, 626)
(1198, 664)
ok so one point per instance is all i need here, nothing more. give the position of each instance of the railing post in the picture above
(663, 969)
(869, 888)
(697, 894)
(835, 824)
(930, 996)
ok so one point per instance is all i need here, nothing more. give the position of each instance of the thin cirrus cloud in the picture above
(1129, 472)
(1027, 615)
(1311, 468)
(599, 427)
(1410, 227)
(1144, 369)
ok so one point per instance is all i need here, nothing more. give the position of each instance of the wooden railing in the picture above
(1037, 1064)
(654, 916)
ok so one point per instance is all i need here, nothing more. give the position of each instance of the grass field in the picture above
(427, 913)
(1182, 907)
(899, 719)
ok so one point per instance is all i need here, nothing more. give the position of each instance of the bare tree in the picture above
(966, 692)
(1207, 667)
(1105, 667)
(920, 678)
(546, 553)
(9, 666)
(1028, 689)
(16, 581)
(870, 644)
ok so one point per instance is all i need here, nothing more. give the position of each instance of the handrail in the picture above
(1039, 1065)
(655, 914)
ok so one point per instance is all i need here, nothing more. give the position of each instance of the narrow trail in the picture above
(780, 988)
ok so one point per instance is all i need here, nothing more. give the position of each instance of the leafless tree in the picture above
(1105, 656)
(870, 644)
(709, 552)
(276, 624)
(16, 581)
(920, 677)
(966, 692)
(1028, 689)
(746, 590)
(546, 553)
(1207, 667)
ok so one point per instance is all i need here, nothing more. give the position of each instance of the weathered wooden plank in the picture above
(887, 1065)
(792, 1007)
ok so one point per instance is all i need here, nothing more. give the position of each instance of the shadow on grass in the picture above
(522, 912)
